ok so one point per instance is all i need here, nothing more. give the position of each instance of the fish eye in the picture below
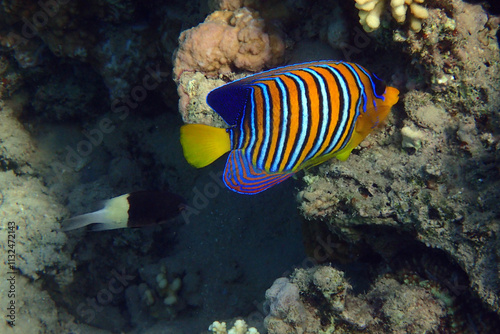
(379, 85)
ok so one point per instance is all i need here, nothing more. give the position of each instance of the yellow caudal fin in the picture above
(203, 144)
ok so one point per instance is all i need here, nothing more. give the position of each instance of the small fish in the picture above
(288, 119)
(137, 209)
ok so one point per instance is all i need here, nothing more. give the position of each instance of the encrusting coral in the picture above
(370, 12)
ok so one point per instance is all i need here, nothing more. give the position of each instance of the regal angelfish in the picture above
(287, 119)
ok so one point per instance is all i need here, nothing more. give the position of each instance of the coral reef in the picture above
(17, 145)
(458, 54)
(193, 89)
(318, 300)
(406, 308)
(28, 212)
(63, 97)
(286, 309)
(35, 311)
(122, 55)
(159, 294)
(38, 257)
(431, 172)
(426, 183)
(370, 12)
(101, 35)
(33, 247)
(11, 80)
(434, 201)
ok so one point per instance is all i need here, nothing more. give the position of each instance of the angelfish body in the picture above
(136, 209)
(288, 119)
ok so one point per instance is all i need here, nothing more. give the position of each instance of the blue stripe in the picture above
(342, 113)
(242, 132)
(252, 135)
(267, 120)
(284, 123)
(231, 137)
(371, 82)
(361, 87)
(304, 122)
(325, 112)
(242, 177)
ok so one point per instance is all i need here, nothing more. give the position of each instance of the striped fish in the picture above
(288, 119)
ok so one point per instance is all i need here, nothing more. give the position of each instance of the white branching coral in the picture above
(370, 12)
(239, 327)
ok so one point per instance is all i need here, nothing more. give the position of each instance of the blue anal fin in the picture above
(244, 178)
(229, 101)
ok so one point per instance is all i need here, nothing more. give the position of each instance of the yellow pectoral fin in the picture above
(356, 138)
(203, 144)
(343, 154)
(368, 120)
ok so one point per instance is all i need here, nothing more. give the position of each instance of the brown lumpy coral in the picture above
(228, 40)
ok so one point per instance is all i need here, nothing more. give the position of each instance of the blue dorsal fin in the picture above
(229, 101)
(244, 178)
